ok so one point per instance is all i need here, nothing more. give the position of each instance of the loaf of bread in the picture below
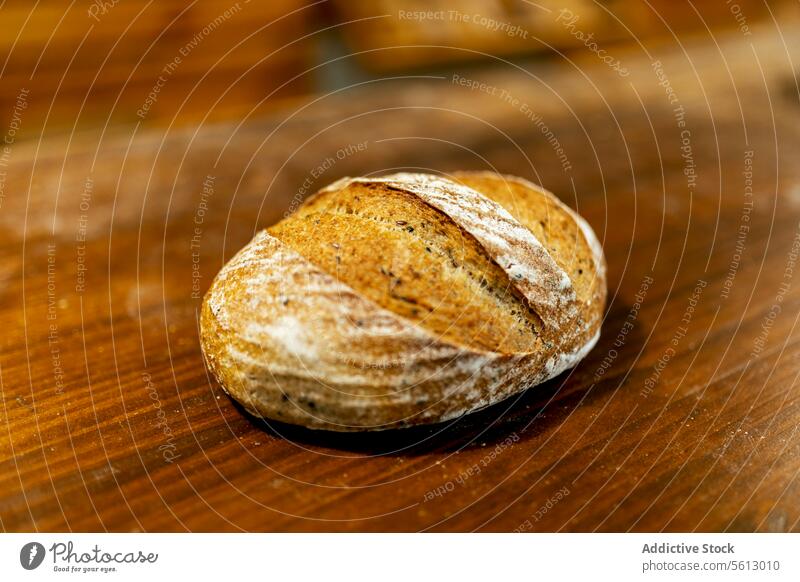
(406, 299)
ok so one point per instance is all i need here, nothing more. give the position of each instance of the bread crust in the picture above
(290, 342)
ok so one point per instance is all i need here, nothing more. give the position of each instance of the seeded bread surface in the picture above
(402, 300)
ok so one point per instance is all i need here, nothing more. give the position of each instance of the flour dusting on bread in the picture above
(294, 342)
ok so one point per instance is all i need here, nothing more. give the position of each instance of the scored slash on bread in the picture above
(405, 299)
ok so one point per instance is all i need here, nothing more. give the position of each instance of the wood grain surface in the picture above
(684, 417)
(95, 63)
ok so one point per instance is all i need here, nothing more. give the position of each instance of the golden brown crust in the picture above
(568, 238)
(424, 268)
(294, 339)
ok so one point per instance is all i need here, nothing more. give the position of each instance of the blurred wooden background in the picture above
(91, 64)
(422, 32)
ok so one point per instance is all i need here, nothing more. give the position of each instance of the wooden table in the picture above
(684, 417)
